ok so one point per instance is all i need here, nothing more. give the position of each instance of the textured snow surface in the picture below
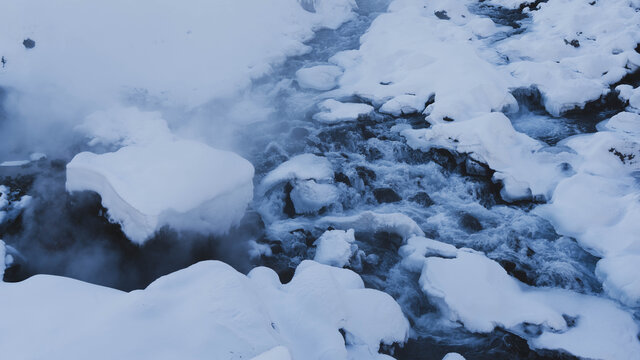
(205, 311)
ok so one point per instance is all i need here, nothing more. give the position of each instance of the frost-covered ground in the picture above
(415, 179)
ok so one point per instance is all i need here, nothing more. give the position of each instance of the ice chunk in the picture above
(309, 196)
(301, 167)
(208, 310)
(15, 162)
(335, 247)
(320, 77)
(333, 111)
(478, 292)
(181, 183)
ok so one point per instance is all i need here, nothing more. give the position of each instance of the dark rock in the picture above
(386, 195)
(288, 209)
(340, 177)
(29, 44)
(367, 175)
(423, 199)
(575, 43)
(470, 223)
(299, 133)
(474, 168)
(442, 15)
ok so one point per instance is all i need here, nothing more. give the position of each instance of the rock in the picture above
(442, 15)
(386, 195)
(470, 223)
(29, 44)
(367, 175)
(474, 168)
(423, 199)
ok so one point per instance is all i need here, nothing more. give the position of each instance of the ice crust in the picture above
(208, 310)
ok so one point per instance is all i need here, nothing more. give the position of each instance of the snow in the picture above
(15, 163)
(409, 56)
(3, 255)
(277, 353)
(605, 35)
(320, 77)
(523, 165)
(208, 310)
(309, 196)
(419, 247)
(333, 111)
(301, 167)
(599, 204)
(453, 356)
(185, 54)
(335, 247)
(480, 294)
(370, 222)
(181, 183)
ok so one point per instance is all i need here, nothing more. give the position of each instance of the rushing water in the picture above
(69, 235)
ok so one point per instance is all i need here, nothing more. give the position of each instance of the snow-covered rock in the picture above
(320, 77)
(181, 183)
(599, 205)
(409, 56)
(453, 356)
(418, 247)
(208, 310)
(370, 222)
(572, 51)
(309, 196)
(523, 165)
(480, 294)
(299, 167)
(332, 111)
(335, 247)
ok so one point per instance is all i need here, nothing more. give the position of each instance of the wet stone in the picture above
(386, 195)
(423, 199)
(29, 44)
(470, 223)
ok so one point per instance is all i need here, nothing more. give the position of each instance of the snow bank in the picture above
(332, 111)
(479, 293)
(208, 310)
(185, 54)
(599, 205)
(335, 247)
(572, 51)
(409, 56)
(523, 165)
